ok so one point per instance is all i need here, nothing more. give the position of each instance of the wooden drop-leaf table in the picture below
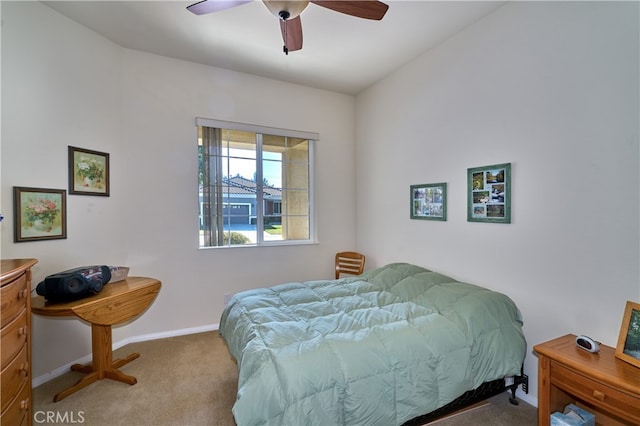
(118, 302)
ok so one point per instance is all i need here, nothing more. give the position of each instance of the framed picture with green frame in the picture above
(489, 193)
(429, 201)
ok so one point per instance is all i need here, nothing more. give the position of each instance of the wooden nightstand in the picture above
(599, 383)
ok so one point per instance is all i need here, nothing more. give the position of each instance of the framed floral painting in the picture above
(39, 214)
(88, 172)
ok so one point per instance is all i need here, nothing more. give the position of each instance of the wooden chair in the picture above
(349, 262)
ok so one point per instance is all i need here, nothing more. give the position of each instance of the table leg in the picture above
(102, 366)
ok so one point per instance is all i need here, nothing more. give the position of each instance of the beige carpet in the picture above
(192, 381)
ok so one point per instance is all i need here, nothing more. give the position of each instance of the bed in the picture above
(383, 348)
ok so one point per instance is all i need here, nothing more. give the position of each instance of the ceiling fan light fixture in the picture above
(284, 10)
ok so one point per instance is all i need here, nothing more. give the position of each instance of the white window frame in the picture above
(313, 139)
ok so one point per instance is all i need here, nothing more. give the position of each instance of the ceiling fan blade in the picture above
(209, 6)
(360, 8)
(291, 34)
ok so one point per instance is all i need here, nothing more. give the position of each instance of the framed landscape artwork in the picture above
(88, 172)
(628, 348)
(489, 193)
(429, 201)
(39, 214)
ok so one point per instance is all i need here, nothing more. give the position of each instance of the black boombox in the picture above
(75, 283)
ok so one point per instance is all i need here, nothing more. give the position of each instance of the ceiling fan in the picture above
(288, 12)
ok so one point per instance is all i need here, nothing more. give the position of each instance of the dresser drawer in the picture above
(14, 337)
(13, 298)
(19, 410)
(593, 392)
(13, 378)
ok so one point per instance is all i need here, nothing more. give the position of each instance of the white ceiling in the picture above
(340, 52)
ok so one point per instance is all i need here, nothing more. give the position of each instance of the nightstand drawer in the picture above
(596, 393)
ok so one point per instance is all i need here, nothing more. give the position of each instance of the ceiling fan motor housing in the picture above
(286, 9)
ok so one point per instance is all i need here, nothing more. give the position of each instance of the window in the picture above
(255, 185)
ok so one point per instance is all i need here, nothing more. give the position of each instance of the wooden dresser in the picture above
(15, 344)
(598, 382)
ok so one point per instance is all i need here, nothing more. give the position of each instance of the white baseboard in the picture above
(527, 397)
(37, 381)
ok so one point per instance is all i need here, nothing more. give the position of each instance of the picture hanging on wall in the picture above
(429, 201)
(489, 194)
(88, 172)
(628, 348)
(39, 214)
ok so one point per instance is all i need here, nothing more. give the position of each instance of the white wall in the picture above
(65, 85)
(553, 89)
(550, 87)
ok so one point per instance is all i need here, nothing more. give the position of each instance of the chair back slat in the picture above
(349, 262)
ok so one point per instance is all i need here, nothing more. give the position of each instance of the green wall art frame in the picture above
(429, 201)
(489, 194)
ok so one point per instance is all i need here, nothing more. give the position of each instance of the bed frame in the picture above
(482, 392)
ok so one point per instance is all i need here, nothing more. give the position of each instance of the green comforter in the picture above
(378, 349)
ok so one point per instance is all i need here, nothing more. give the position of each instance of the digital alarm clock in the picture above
(587, 343)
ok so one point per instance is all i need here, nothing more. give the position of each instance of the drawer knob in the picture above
(23, 294)
(22, 331)
(24, 404)
(24, 368)
(598, 395)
